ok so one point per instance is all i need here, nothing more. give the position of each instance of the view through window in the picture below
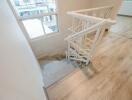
(39, 17)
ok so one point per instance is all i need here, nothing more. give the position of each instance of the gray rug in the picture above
(55, 71)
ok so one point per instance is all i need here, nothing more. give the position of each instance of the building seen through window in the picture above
(32, 7)
(41, 25)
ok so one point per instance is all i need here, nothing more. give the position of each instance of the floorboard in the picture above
(112, 79)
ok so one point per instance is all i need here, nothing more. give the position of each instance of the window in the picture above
(39, 17)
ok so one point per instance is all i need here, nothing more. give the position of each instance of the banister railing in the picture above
(86, 25)
(102, 12)
(88, 30)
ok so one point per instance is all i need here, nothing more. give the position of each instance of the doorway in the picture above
(126, 8)
(123, 26)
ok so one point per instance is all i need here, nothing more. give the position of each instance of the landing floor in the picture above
(112, 80)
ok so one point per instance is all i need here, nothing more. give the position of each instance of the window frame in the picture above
(22, 18)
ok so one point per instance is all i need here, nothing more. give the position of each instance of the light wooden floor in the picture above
(112, 79)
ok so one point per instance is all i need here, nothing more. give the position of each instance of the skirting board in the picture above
(58, 54)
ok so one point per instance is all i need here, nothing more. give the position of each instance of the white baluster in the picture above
(87, 22)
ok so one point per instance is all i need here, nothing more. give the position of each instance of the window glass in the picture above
(39, 26)
(50, 24)
(34, 27)
(33, 7)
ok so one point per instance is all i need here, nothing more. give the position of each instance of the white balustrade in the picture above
(88, 27)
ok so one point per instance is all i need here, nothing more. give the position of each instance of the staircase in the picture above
(87, 29)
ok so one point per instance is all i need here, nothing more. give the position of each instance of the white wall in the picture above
(56, 43)
(69, 5)
(115, 3)
(20, 77)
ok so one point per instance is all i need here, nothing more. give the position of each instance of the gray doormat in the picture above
(55, 71)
